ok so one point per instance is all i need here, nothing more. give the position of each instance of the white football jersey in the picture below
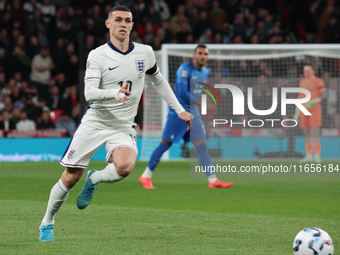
(114, 69)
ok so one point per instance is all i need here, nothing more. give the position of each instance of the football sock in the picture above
(156, 156)
(108, 174)
(205, 161)
(58, 196)
(147, 173)
(317, 149)
(309, 149)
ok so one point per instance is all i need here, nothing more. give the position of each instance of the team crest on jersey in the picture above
(184, 74)
(71, 154)
(87, 64)
(312, 86)
(140, 65)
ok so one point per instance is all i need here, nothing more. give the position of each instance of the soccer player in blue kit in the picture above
(175, 129)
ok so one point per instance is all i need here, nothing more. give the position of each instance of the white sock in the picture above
(108, 174)
(212, 178)
(147, 173)
(59, 194)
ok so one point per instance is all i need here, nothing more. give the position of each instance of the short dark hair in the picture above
(200, 46)
(310, 65)
(119, 8)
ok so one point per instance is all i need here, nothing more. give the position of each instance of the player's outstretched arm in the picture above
(164, 90)
(93, 92)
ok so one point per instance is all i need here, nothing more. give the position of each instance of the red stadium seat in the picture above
(54, 115)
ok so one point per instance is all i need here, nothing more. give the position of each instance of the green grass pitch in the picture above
(181, 216)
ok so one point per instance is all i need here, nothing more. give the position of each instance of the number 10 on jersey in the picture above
(121, 83)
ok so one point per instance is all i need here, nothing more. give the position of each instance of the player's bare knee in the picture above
(124, 168)
(71, 176)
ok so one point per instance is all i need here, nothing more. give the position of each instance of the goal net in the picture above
(262, 68)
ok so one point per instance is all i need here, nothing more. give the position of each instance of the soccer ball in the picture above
(313, 241)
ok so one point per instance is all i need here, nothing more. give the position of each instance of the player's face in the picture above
(308, 71)
(120, 24)
(201, 56)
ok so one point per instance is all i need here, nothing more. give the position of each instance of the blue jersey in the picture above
(185, 93)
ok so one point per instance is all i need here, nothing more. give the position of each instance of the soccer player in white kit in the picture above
(114, 81)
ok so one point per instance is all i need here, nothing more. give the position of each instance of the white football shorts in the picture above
(87, 140)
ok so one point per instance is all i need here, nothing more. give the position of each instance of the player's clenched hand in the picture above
(122, 93)
(187, 117)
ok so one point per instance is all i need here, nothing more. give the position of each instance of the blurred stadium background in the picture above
(256, 43)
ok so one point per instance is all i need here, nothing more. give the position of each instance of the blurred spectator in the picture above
(66, 123)
(219, 70)
(47, 10)
(33, 112)
(227, 33)
(332, 31)
(254, 39)
(98, 19)
(32, 24)
(268, 25)
(202, 25)
(17, 13)
(135, 37)
(155, 16)
(29, 8)
(146, 29)
(261, 34)
(190, 39)
(29, 88)
(58, 54)
(6, 104)
(25, 124)
(206, 37)
(2, 81)
(16, 115)
(239, 28)
(177, 19)
(61, 82)
(6, 21)
(323, 22)
(23, 59)
(33, 47)
(310, 23)
(74, 21)
(162, 8)
(42, 65)
(217, 16)
(6, 123)
(55, 101)
(72, 69)
(90, 28)
(157, 43)
(251, 25)
(237, 39)
(4, 38)
(184, 32)
(89, 45)
(244, 8)
(5, 7)
(137, 14)
(217, 38)
(194, 18)
(16, 93)
(168, 35)
(44, 121)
